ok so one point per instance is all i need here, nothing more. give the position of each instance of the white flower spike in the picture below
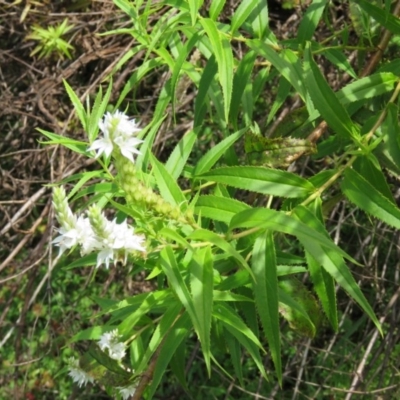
(118, 131)
(127, 392)
(78, 375)
(110, 341)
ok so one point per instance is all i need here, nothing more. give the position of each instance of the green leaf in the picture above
(74, 145)
(216, 152)
(219, 208)
(241, 14)
(230, 317)
(332, 262)
(260, 21)
(179, 156)
(371, 171)
(216, 7)
(310, 20)
(176, 282)
(286, 62)
(211, 237)
(223, 54)
(174, 338)
(291, 307)
(367, 87)
(206, 80)
(79, 109)
(325, 100)
(265, 286)
(324, 284)
(360, 192)
(339, 59)
(171, 315)
(201, 284)
(263, 218)
(261, 180)
(194, 7)
(387, 20)
(241, 79)
(169, 189)
(235, 325)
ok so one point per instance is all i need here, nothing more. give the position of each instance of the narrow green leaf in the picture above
(332, 261)
(287, 63)
(372, 172)
(241, 14)
(360, 192)
(223, 53)
(175, 279)
(216, 8)
(174, 338)
(169, 189)
(235, 325)
(194, 7)
(310, 20)
(261, 180)
(201, 284)
(216, 152)
(264, 218)
(74, 145)
(219, 208)
(179, 156)
(387, 20)
(200, 105)
(211, 237)
(230, 317)
(241, 79)
(236, 355)
(367, 87)
(265, 288)
(79, 109)
(325, 100)
(259, 20)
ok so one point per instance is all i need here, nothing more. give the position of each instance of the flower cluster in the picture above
(127, 392)
(78, 375)
(118, 133)
(95, 233)
(110, 341)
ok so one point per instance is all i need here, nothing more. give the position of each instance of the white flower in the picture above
(110, 341)
(120, 241)
(78, 375)
(118, 130)
(128, 391)
(81, 233)
(102, 145)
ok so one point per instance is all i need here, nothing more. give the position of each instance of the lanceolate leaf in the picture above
(167, 185)
(360, 192)
(265, 288)
(387, 20)
(174, 338)
(286, 63)
(263, 218)
(261, 180)
(332, 261)
(177, 160)
(216, 152)
(219, 208)
(223, 53)
(235, 325)
(310, 20)
(325, 100)
(201, 284)
(211, 237)
(324, 284)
